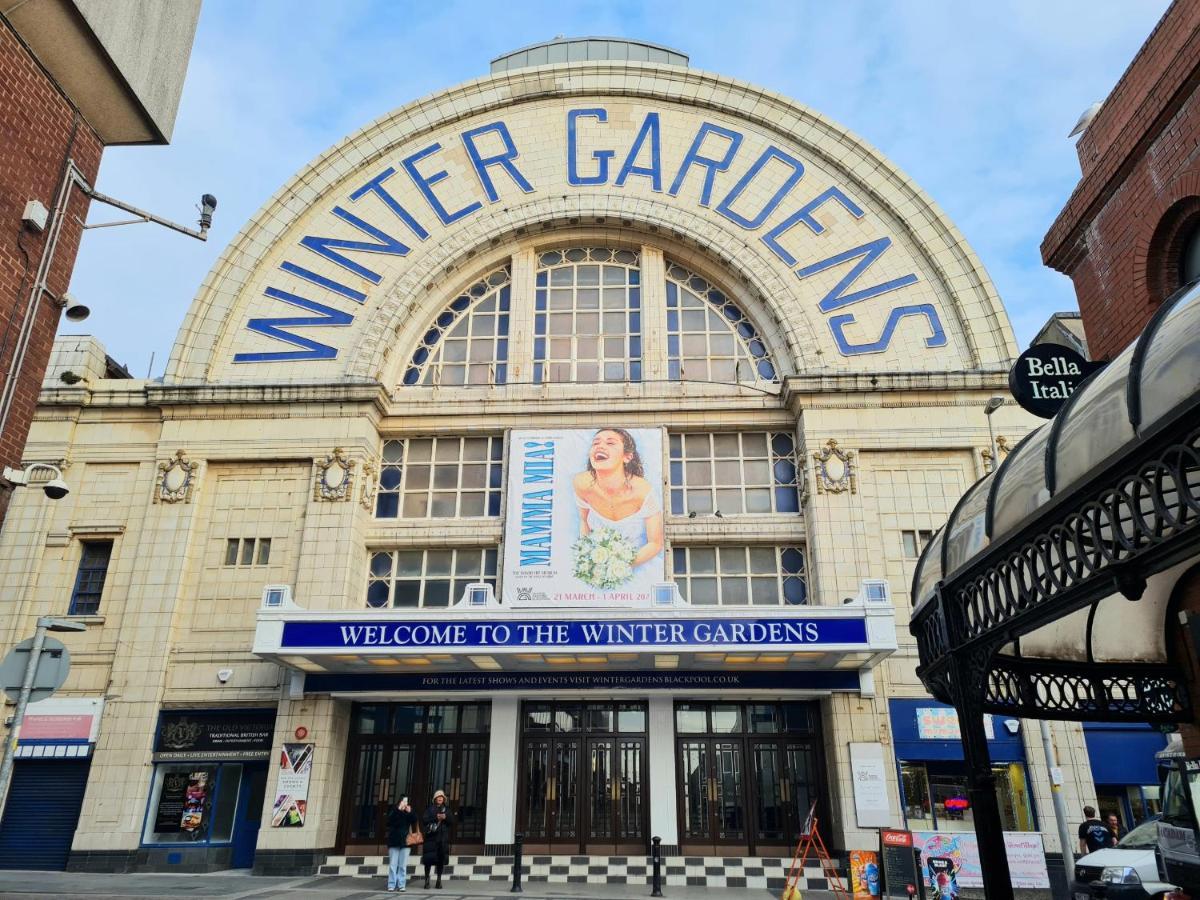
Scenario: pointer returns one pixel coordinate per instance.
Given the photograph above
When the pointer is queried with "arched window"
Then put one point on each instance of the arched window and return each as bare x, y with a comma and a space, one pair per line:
1189, 257
709, 338
467, 344
588, 316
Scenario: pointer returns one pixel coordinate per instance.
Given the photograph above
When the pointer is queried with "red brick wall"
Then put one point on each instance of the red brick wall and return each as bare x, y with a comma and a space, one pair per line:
39, 128
1141, 180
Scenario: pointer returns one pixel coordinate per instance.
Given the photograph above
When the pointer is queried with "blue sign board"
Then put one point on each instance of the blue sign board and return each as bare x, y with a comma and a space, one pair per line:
443, 634
581, 681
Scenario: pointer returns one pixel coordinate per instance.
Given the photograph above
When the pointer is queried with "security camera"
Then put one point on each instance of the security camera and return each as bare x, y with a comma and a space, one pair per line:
56, 488
76, 310
223, 675
208, 203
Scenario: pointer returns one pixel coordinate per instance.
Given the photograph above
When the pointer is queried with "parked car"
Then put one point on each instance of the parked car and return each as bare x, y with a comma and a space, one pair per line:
1124, 872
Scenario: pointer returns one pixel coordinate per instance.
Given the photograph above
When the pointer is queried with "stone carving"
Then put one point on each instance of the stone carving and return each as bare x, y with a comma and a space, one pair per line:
366, 491
1002, 444
835, 469
334, 476
988, 462
176, 478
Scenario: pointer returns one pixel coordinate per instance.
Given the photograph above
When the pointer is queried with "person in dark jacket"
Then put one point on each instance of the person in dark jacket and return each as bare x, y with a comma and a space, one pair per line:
436, 823
400, 822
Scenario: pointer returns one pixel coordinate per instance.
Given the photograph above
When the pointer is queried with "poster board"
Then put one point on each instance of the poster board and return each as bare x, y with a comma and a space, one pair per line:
291, 791
583, 517
872, 800
864, 874
898, 861
1026, 858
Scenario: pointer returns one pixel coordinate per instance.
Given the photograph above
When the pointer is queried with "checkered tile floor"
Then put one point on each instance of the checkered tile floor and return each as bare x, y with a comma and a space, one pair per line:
769, 873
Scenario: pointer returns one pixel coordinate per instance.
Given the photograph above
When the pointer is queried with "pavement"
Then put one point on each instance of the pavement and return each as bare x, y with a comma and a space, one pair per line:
240, 885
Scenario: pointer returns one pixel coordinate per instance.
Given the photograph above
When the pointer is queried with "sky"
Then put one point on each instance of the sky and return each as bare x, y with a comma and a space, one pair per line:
972, 100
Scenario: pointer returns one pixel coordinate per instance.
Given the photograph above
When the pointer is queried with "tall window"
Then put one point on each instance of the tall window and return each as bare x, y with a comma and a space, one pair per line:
467, 344
440, 478
89, 581
751, 472
709, 338
588, 316
427, 578
914, 542
741, 576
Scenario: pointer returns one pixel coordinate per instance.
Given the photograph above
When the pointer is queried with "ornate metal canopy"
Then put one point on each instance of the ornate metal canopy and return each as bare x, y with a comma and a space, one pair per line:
1046, 593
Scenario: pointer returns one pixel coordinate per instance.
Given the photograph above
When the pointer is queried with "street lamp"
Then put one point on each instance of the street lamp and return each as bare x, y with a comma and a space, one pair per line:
44, 624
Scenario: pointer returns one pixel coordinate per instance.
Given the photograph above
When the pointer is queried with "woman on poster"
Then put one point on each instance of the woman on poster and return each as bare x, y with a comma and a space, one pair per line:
612, 494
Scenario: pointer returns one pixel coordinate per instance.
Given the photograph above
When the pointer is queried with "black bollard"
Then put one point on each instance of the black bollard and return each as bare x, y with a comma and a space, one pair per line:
517, 841
656, 866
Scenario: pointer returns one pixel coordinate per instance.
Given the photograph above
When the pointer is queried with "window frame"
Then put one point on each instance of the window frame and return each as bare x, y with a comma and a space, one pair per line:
684, 581
402, 462
247, 552
679, 443
83, 570
489, 554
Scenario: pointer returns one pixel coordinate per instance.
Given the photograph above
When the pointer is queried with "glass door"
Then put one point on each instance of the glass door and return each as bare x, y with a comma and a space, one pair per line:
712, 796
583, 778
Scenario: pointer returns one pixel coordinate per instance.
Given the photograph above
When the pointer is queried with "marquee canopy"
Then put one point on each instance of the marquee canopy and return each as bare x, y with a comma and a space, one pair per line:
1050, 584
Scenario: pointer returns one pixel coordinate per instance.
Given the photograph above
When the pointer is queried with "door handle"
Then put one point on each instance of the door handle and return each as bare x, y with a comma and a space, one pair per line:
712, 790
551, 788
382, 793
616, 790
456, 789
785, 790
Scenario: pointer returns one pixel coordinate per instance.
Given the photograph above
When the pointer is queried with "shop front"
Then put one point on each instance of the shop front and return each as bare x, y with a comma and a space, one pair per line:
934, 784
207, 788
1125, 769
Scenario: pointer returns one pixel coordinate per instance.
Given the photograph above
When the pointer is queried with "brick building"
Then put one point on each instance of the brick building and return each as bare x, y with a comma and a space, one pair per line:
76, 76
1129, 235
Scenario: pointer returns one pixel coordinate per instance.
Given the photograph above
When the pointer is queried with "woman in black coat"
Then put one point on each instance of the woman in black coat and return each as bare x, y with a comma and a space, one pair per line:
436, 823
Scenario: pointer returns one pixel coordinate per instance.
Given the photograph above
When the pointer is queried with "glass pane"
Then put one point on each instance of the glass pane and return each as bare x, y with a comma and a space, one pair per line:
371, 719
420, 450
224, 804
735, 591
733, 560
407, 719
763, 561
770, 809
476, 717
702, 591
438, 562
599, 718
693, 765
631, 719
231, 552
264, 551
914, 785
408, 562
437, 593
247, 551
764, 718
726, 719
702, 560
441, 719
538, 716
690, 719
407, 594
730, 802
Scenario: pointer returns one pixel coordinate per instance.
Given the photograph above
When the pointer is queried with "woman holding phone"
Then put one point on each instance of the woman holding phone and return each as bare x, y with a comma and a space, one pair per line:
400, 822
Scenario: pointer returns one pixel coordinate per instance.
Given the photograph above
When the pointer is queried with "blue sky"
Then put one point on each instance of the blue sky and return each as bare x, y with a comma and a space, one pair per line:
973, 100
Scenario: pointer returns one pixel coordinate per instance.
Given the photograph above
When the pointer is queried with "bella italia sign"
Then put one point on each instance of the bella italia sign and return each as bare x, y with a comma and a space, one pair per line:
1046, 375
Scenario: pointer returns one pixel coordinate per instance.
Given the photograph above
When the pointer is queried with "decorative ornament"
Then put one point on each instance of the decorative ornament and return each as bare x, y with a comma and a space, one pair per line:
1003, 445
334, 476
835, 469
989, 463
369, 483
176, 479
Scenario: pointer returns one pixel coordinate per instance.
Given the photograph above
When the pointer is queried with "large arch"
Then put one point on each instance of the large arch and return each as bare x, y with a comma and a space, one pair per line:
542, 138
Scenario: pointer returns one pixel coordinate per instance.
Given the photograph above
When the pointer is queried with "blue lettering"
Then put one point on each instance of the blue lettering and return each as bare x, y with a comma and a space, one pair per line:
837, 325
804, 214
601, 156
870, 252
273, 328
328, 283
326, 246
504, 160
375, 186
725, 207
709, 164
425, 185
650, 129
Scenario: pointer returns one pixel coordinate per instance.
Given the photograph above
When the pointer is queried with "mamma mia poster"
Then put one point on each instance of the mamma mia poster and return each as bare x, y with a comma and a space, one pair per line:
584, 519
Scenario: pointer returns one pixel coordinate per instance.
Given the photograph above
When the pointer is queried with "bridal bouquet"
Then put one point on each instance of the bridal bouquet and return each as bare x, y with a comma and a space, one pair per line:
604, 558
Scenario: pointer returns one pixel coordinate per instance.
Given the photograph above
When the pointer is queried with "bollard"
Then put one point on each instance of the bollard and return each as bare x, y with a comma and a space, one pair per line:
516, 887
656, 866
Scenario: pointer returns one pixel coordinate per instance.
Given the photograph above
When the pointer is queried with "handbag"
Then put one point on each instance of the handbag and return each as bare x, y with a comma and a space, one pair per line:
414, 839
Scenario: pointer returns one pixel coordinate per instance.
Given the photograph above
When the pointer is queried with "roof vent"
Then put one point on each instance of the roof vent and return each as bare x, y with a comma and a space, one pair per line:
588, 49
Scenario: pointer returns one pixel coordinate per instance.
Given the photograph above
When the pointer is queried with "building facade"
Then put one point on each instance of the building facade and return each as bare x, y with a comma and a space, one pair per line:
565, 441
78, 75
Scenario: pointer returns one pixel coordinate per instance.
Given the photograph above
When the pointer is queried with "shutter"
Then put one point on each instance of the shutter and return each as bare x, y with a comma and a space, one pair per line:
41, 814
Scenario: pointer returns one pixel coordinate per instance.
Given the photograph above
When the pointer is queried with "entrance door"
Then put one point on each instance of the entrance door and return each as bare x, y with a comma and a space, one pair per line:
248, 816
712, 798
748, 774
408, 750
583, 778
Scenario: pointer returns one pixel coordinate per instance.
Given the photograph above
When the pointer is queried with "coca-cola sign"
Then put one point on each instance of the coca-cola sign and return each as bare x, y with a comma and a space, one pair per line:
1046, 375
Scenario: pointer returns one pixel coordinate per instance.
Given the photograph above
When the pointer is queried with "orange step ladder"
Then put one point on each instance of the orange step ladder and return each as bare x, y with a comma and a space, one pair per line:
811, 843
